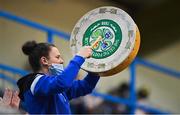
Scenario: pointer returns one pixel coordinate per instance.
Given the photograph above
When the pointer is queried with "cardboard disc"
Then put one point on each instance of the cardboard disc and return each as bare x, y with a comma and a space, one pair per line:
119, 39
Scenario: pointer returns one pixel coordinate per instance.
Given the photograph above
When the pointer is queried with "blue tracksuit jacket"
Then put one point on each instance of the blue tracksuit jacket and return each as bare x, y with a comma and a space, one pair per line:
47, 94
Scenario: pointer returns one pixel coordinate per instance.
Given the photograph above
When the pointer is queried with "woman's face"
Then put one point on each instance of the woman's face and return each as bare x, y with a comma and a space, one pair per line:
55, 57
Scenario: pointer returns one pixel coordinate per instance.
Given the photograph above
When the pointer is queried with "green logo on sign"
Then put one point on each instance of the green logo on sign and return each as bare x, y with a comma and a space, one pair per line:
111, 34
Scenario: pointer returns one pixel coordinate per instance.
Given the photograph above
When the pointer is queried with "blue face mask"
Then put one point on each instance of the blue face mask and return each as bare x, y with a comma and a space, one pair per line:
56, 69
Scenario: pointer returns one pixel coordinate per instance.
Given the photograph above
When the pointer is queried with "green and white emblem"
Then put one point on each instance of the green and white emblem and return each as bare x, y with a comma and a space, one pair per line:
111, 34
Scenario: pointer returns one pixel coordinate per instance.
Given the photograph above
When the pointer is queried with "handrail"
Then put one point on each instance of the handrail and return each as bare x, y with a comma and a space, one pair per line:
13, 70
34, 25
159, 68
133, 98
151, 109
111, 98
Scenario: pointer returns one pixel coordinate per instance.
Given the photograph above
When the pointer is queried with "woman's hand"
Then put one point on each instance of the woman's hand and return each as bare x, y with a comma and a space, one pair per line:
85, 52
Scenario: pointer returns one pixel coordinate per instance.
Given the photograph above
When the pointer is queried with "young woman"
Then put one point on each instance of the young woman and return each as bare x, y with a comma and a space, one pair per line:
50, 87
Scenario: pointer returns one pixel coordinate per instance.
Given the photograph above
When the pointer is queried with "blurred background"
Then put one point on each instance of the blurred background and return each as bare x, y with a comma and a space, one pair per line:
158, 22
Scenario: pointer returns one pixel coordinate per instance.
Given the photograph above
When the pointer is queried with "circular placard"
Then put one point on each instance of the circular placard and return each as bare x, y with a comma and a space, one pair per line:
118, 32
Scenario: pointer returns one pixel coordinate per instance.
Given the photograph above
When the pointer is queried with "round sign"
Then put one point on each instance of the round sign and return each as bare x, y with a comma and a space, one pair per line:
119, 36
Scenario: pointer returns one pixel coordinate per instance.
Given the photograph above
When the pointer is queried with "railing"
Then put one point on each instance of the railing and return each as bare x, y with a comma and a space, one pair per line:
50, 31
159, 68
132, 102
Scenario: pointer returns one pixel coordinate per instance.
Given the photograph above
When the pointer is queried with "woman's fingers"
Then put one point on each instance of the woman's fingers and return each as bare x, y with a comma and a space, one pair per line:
15, 100
7, 96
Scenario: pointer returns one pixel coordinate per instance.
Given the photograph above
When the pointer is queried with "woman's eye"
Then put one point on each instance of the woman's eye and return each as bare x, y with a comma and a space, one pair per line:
58, 57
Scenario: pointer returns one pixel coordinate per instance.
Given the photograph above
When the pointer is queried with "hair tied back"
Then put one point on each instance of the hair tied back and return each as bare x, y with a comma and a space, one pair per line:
28, 47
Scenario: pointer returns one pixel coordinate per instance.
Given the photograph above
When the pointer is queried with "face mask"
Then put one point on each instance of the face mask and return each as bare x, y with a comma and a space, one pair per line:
56, 69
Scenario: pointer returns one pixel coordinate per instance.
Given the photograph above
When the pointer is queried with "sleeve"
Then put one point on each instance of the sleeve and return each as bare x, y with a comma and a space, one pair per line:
83, 87
49, 84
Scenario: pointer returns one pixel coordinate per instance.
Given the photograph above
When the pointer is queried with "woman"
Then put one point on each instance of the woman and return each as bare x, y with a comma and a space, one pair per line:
50, 87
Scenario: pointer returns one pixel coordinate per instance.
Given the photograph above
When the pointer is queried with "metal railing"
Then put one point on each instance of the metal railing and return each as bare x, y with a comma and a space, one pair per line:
49, 31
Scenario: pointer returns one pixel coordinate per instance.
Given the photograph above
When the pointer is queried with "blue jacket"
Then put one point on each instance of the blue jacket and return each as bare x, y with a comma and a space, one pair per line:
48, 94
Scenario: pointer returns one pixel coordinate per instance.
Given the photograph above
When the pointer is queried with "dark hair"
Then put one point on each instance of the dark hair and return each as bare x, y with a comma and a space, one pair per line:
35, 51
142, 93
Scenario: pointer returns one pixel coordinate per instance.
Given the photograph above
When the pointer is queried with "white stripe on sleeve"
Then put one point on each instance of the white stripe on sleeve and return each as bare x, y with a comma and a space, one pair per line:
38, 76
